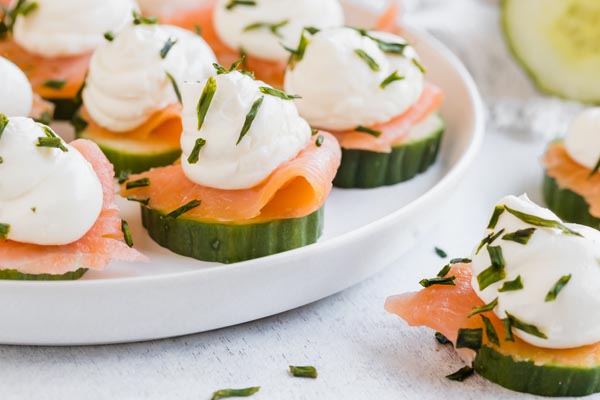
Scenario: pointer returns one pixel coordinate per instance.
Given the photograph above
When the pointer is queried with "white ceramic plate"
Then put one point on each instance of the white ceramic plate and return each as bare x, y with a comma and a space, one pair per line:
173, 295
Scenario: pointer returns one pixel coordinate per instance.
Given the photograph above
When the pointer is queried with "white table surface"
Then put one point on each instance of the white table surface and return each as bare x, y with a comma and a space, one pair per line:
360, 350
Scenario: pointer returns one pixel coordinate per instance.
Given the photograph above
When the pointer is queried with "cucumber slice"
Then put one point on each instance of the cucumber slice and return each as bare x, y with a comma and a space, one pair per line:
567, 204
229, 243
528, 377
368, 169
12, 274
134, 156
556, 41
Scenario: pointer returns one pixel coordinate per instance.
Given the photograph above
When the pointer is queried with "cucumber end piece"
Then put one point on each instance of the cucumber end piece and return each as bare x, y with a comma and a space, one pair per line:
12, 274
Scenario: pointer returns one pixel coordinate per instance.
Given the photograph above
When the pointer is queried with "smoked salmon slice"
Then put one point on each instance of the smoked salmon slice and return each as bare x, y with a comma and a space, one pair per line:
395, 131
446, 308
101, 244
295, 189
573, 176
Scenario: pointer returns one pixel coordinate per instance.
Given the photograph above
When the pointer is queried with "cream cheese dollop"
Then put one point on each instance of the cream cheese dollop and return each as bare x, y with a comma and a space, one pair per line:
127, 80
339, 89
276, 135
572, 319
60, 28
582, 141
16, 96
233, 25
47, 196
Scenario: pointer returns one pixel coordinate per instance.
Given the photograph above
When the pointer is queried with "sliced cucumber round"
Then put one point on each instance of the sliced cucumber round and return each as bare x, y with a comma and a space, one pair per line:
528, 377
368, 169
557, 42
12, 274
229, 243
567, 204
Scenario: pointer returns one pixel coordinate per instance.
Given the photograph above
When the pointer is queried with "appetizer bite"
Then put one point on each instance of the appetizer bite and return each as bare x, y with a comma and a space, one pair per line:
571, 171
131, 99
252, 180
524, 311
368, 89
58, 216
52, 41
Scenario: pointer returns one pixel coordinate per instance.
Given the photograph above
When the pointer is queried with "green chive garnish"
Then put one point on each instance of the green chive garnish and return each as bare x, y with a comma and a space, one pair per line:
461, 374
183, 209
109, 36
558, 286
304, 372
449, 281
250, 118
368, 59
419, 65
138, 183
531, 329
313, 132
444, 271
386, 47
278, 93
126, 233
167, 47
489, 239
141, 201
490, 276
296, 55
596, 168
510, 286
495, 216
225, 393
1, 160
460, 260
508, 330
205, 99
545, 223
441, 253
24, 8
4, 230
469, 338
3, 123
175, 86
274, 28
490, 331
441, 338
139, 20
521, 236
55, 84
123, 176
496, 256
485, 308
390, 79
234, 66
320, 140
234, 3
198, 30
53, 142
368, 131
312, 30
195, 154
45, 118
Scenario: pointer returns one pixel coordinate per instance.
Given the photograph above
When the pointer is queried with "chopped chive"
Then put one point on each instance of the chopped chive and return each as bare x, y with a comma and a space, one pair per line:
123, 176
368, 59
175, 86
460, 260
461, 374
109, 36
278, 93
495, 216
320, 140
52, 142
27, 8
304, 372
225, 393
390, 79
545, 223
490, 276
296, 55
139, 20
441, 338
419, 65
312, 30
3, 123
205, 99
234, 3
143, 182
596, 168
195, 154
469, 338
444, 271
167, 47
183, 209
520, 325
274, 28
141, 201
510, 286
198, 30
496, 256
386, 47
448, 281
4, 230
489, 239
558, 286
490, 331
45, 118
55, 84
313, 132
521, 236
485, 308
441, 253
508, 335
368, 131
126, 233
234, 66
33, 209
250, 118
1, 160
